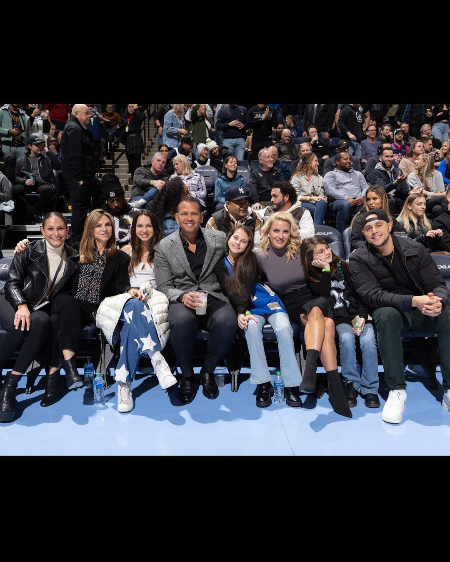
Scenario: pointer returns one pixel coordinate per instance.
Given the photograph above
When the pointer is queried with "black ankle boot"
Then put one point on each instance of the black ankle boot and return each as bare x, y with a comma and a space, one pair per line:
263, 396
31, 379
292, 395
336, 394
51, 389
8, 397
73, 379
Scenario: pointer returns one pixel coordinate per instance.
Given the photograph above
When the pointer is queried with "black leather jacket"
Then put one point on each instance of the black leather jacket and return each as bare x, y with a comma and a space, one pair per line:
28, 275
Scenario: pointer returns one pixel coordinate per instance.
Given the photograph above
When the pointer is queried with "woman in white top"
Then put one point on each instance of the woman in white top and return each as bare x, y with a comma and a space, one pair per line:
308, 184
427, 177
138, 334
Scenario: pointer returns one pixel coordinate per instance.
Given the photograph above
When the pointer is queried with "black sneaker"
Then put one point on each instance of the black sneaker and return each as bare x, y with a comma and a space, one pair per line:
351, 394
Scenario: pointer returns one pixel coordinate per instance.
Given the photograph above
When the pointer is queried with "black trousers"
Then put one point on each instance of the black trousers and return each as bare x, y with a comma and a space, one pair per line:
219, 320
83, 198
257, 145
44, 203
134, 162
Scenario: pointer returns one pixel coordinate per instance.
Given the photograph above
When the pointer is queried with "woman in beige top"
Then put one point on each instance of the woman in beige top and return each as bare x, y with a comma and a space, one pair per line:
408, 163
308, 184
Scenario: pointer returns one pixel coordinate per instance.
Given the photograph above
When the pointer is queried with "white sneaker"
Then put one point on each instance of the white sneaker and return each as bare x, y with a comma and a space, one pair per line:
446, 400
394, 407
125, 401
162, 371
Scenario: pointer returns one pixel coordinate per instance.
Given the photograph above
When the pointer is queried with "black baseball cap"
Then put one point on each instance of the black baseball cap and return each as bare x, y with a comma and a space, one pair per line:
236, 192
381, 215
35, 139
342, 144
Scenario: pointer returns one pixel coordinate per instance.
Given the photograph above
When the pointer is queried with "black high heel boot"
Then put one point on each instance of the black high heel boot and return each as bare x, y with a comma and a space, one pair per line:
31, 379
264, 394
51, 394
8, 397
73, 379
336, 394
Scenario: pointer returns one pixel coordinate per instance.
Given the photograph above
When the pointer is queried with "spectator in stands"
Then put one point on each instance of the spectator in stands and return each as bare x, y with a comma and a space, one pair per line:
428, 146
321, 115
226, 179
215, 156
375, 198
345, 189
78, 168
43, 271
236, 212
386, 134
280, 265
303, 149
442, 222
287, 150
444, 166
262, 178
284, 198
414, 115
369, 144
308, 184
408, 163
394, 181
202, 156
34, 173
194, 180
276, 133
159, 119
353, 120
426, 177
416, 224
282, 165
36, 119
261, 119
169, 164
231, 121
342, 146
440, 117
400, 283
181, 271
291, 124
111, 121
174, 125
373, 160
398, 146
7, 163
149, 179
58, 114
407, 138
15, 128
139, 324
328, 276
237, 274
132, 119
122, 212
185, 148
165, 204
202, 128
321, 149
378, 112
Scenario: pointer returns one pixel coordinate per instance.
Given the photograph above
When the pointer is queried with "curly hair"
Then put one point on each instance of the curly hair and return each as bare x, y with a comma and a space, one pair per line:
294, 243
167, 200
305, 164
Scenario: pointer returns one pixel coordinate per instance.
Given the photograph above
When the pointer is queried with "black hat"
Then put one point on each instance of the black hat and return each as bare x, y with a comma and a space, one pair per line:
382, 215
236, 192
111, 186
342, 144
34, 139
187, 139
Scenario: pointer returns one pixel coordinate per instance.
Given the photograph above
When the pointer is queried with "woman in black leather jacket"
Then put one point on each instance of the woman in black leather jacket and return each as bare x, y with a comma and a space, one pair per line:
36, 276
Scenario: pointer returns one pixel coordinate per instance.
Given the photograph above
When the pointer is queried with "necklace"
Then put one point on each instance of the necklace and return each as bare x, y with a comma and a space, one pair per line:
230, 259
392, 256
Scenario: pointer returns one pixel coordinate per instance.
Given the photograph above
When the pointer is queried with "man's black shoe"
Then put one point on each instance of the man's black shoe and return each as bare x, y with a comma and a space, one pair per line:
371, 400
351, 394
292, 395
186, 390
264, 394
210, 388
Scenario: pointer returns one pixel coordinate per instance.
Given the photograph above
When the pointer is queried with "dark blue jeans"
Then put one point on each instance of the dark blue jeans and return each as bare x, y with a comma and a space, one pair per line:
344, 211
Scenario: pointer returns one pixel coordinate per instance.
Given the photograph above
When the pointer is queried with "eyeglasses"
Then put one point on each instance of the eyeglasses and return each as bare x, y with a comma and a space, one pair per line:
322, 251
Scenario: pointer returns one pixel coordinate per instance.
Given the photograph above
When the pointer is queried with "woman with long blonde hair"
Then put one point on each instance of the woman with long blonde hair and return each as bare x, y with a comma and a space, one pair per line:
280, 265
194, 181
416, 224
426, 177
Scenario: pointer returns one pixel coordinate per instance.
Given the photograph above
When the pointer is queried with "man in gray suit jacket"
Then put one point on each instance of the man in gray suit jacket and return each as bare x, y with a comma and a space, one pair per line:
184, 264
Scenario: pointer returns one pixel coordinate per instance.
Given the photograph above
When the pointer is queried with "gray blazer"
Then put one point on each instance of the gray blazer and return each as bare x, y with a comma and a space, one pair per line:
173, 274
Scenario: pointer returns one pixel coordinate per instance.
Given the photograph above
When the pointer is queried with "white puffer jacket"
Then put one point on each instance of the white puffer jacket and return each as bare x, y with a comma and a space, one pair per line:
110, 309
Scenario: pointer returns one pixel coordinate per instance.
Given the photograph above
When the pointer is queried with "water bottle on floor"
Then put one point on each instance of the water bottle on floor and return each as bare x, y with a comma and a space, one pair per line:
278, 386
88, 373
99, 390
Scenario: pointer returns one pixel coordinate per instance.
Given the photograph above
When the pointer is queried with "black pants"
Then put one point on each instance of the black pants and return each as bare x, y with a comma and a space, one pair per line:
257, 145
69, 317
31, 340
219, 320
436, 205
134, 162
84, 198
44, 203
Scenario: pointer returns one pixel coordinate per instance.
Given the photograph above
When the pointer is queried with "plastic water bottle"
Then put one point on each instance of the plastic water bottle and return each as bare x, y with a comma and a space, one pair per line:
278, 385
99, 390
88, 373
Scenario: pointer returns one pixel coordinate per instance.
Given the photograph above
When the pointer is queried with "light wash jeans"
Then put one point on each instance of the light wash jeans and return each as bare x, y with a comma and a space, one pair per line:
367, 382
237, 146
138, 337
318, 210
440, 131
290, 371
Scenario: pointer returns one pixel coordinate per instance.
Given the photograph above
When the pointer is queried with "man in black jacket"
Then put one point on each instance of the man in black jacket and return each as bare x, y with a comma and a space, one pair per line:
79, 158
401, 285
321, 115
261, 180
353, 121
261, 119
231, 120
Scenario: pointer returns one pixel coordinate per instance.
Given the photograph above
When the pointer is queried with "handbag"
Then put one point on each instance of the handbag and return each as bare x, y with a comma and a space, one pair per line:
265, 301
